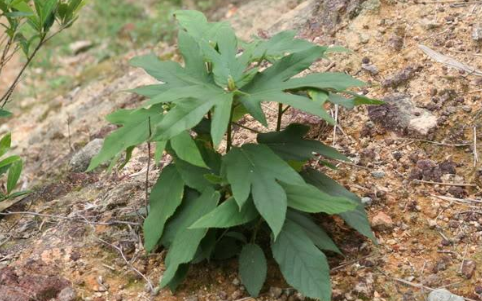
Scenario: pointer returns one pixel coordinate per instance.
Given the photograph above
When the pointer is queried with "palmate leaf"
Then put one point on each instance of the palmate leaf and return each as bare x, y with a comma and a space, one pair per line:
186, 241
279, 45
191, 88
271, 84
165, 197
227, 215
196, 24
255, 169
290, 145
252, 268
134, 131
302, 264
356, 218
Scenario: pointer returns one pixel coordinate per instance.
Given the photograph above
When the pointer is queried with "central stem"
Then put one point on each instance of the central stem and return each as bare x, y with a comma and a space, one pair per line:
230, 131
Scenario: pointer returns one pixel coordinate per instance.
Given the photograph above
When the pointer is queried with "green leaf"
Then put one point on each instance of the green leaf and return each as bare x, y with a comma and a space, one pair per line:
9, 161
252, 268
5, 144
135, 130
179, 277
227, 215
183, 116
255, 169
356, 218
186, 241
165, 198
221, 119
176, 222
290, 145
186, 149
193, 176
270, 84
196, 24
14, 175
160, 146
4, 113
279, 45
308, 198
302, 264
315, 232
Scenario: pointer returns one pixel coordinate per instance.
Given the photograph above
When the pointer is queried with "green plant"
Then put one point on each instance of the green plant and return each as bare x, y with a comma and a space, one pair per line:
13, 166
211, 204
29, 27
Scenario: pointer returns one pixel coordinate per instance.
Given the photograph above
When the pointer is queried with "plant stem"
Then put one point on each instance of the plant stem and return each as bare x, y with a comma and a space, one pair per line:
256, 229
9, 92
246, 128
280, 115
148, 167
230, 131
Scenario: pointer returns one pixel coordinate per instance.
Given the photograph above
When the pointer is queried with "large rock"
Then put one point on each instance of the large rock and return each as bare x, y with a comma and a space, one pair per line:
399, 114
81, 160
443, 295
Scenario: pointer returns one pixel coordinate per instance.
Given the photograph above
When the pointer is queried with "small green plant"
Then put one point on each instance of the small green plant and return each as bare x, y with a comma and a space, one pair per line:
13, 166
29, 27
213, 204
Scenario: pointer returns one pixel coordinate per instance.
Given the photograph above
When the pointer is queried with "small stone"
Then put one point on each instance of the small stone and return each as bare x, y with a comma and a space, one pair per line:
468, 268
443, 295
236, 295
382, 221
118, 298
372, 69
366, 201
222, 295
477, 33
275, 292
236, 282
299, 296
81, 160
432, 224
378, 174
67, 294
191, 298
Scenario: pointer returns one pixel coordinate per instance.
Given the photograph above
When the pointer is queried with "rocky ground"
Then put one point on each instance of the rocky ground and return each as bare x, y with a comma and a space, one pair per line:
415, 164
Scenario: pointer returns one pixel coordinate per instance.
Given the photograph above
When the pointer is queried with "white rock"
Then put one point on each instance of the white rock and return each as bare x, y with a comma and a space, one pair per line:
443, 295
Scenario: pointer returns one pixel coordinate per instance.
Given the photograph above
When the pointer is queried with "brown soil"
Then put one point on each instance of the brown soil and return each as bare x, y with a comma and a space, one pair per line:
430, 236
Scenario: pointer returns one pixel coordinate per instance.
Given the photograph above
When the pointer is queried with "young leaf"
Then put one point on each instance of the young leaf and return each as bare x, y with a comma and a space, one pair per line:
227, 215
186, 149
252, 268
165, 197
303, 265
308, 198
255, 169
186, 241
279, 45
14, 175
290, 145
5, 144
271, 84
7, 162
356, 218
315, 232
196, 24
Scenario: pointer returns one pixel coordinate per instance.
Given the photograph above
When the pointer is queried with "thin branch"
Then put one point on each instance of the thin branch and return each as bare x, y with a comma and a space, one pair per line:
443, 184
77, 219
151, 287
